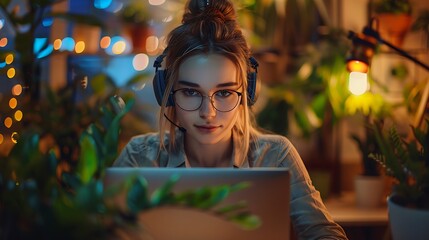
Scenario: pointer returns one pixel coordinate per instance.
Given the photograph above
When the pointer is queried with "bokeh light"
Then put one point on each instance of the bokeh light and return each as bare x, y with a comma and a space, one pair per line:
9, 58
18, 115
8, 122
1, 138
67, 44
47, 22
105, 42
119, 47
152, 43
57, 44
13, 103
3, 42
102, 4
140, 62
156, 2
80, 47
14, 137
17, 90
11, 73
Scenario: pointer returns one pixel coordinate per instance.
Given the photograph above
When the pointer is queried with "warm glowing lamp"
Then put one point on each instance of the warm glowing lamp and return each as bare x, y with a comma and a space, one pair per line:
360, 56
358, 83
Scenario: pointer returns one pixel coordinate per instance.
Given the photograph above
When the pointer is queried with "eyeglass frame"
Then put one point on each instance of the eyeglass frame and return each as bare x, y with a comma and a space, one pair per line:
209, 97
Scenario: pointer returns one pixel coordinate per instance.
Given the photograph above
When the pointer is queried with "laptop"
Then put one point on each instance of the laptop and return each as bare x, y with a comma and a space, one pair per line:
266, 196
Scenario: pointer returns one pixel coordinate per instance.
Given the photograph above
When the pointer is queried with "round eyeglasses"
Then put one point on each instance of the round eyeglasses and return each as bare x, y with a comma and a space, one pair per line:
190, 99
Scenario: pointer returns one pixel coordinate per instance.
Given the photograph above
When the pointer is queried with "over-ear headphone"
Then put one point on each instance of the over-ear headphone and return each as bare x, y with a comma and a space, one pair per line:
160, 82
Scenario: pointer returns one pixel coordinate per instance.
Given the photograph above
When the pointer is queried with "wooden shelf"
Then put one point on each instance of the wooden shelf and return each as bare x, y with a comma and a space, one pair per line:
346, 213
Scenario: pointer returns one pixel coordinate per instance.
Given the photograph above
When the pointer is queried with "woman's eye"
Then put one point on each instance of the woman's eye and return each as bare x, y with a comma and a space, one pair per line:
223, 93
190, 92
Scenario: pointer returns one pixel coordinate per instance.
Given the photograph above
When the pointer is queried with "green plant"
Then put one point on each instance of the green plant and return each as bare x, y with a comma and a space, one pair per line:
407, 162
366, 146
135, 12
392, 6
38, 197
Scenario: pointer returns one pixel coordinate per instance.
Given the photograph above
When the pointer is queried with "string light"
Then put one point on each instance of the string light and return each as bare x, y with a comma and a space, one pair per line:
18, 115
14, 137
3, 42
13, 103
57, 44
17, 90
79, 47
8, 122
11, 73
9, 59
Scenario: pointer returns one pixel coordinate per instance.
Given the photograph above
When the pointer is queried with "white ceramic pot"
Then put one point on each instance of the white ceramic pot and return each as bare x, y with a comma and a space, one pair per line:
407, 223
369, 191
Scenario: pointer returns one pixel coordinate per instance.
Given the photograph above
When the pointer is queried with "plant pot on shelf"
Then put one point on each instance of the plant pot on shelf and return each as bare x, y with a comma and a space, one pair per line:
394, 27
369, 191
407, 223
138, 33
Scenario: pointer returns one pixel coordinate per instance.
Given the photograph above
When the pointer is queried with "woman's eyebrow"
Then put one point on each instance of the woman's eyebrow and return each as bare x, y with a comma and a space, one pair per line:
228, 84
191, 84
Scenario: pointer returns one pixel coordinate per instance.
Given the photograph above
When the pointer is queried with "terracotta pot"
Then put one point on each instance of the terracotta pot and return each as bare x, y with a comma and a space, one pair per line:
394, 27
138, 35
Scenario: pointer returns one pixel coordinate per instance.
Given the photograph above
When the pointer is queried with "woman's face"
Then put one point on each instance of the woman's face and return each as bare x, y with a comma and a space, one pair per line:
207, 75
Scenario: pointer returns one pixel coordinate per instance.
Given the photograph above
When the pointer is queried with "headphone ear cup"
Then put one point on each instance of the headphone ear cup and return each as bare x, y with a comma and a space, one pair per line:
159, 86
252, 88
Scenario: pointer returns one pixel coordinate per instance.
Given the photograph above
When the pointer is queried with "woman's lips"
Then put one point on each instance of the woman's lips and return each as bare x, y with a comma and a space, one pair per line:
206, 128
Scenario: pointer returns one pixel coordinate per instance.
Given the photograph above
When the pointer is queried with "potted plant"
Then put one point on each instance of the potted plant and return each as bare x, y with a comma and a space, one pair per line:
406, 161
369, 185
394, 18
135, 17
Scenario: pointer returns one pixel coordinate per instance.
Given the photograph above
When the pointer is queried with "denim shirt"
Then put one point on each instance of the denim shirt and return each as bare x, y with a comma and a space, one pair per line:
309, 215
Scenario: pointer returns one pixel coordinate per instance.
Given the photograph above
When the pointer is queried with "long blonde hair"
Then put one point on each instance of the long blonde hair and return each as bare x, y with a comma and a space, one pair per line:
208, 27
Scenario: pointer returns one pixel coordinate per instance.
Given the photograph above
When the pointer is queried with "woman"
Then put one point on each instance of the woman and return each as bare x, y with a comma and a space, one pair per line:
209, 81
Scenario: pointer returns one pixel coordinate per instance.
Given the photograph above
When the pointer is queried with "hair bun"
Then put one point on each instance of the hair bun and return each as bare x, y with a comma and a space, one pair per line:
210, 19
208, 10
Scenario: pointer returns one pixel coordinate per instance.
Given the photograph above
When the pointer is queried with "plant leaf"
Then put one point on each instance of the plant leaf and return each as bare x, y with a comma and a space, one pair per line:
137, 195
87, 165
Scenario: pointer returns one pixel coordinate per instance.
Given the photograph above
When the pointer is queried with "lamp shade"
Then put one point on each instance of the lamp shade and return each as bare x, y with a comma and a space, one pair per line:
361, 53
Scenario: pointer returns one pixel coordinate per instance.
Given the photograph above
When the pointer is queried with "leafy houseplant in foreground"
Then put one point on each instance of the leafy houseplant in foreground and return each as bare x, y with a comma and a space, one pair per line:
407, 162
36, 199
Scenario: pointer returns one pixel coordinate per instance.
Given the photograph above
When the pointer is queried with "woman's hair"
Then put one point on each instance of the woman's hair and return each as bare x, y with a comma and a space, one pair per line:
208, 27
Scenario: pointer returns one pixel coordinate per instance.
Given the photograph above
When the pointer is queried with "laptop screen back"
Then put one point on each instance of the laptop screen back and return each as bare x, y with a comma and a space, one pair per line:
267, 197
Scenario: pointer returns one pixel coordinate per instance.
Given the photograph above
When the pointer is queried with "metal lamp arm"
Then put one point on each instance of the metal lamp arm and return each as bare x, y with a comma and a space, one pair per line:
372, 33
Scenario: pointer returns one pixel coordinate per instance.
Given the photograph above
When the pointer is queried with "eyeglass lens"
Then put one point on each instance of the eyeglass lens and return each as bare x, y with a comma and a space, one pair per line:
191, 99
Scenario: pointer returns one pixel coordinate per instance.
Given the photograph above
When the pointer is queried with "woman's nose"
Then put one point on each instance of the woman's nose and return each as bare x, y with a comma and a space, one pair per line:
207, 109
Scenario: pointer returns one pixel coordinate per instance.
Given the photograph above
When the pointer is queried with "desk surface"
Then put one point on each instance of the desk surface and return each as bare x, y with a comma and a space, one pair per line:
346, 213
